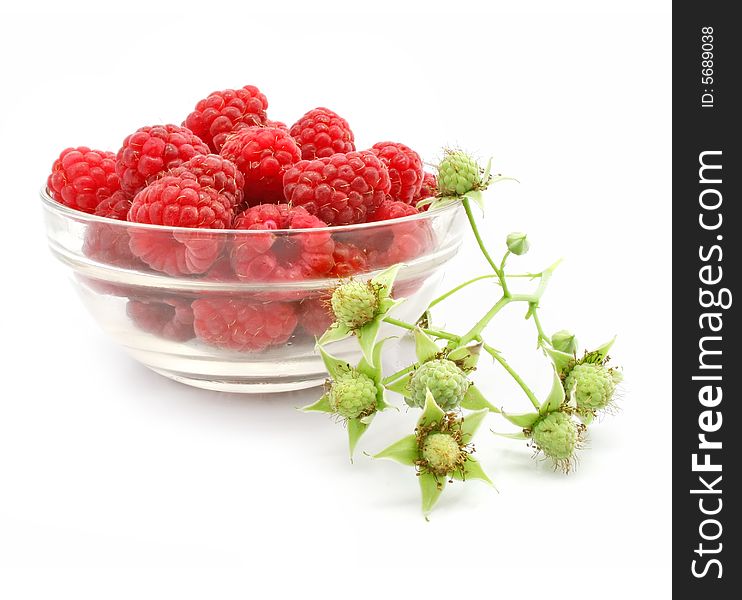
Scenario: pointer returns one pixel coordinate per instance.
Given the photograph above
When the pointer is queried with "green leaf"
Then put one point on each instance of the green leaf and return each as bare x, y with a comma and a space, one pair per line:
470, 423
474, 400
404, 451
425, 348
322, 405
518, 435
431, 489
401, 385
356, 428
432, 412
560, 359
555, 398
335, 332
335, 367
386, 280
466, 357
524, 420
472, 470
367, 339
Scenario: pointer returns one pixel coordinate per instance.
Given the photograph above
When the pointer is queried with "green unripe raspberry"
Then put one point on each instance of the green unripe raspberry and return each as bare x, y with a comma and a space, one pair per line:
443, 378
355, 303
556, 435
564, 341
353, 395
593, 385
458, 174
441, 453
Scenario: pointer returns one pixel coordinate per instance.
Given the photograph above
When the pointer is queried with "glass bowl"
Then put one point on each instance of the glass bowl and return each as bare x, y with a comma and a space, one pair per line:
234, 310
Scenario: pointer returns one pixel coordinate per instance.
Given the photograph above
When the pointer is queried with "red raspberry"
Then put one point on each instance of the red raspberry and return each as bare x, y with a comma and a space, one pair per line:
179, 201
405, 169
216, 172
263, 155
167, 317
321, 133
428, 189
315, 315
392, 209
340, 189
216, 116
278, 124
149, 151
400, 241
241, 325
109, 244
284, 256
116, 206
82, 178
349, 260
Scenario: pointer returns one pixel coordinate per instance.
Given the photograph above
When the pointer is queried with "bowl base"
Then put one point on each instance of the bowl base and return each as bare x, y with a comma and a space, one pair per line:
242, 385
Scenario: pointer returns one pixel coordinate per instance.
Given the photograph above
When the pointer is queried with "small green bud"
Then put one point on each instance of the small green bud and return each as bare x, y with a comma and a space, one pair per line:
564, 341
593, 385
459, 173
353, 395
442, 454
355, 303
518, 243
445, 380
556, 435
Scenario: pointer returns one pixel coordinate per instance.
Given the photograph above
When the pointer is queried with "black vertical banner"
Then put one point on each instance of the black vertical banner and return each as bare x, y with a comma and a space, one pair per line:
707, 266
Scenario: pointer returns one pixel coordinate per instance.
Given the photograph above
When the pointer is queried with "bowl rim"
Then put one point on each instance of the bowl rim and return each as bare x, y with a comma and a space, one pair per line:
65, 211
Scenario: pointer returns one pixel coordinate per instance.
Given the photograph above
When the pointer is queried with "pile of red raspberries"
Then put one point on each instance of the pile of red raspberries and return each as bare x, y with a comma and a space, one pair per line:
228, 166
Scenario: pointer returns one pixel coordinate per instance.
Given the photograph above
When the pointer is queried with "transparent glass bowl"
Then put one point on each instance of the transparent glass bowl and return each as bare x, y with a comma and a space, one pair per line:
234, 310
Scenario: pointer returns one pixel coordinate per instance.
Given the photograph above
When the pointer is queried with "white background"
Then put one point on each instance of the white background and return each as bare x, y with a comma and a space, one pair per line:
117, 483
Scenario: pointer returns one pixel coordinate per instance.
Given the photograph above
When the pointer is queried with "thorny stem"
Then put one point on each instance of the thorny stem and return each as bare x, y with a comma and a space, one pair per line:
496, 355
441, 298
432, 332
472, 222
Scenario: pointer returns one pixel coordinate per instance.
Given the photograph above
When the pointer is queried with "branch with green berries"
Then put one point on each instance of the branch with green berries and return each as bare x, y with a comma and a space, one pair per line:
440, 383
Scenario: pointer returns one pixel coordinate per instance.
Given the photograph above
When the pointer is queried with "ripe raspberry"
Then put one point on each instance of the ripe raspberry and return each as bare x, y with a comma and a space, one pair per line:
116, 206
349, 260
405, 169
321, 133
82, 178
216, 116
179, 201
168, 317
149, 151
278, 124
263, 155
397, 242
443, 378
281, 257
393, 209
340, 189
242, 325
315, 316
216, 172
109, 244
428, 189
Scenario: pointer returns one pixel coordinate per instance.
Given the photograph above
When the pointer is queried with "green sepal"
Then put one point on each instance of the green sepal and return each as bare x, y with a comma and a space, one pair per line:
367, 339
602, 351
476, 197
437, 202
356, 428
470, 423
431, 488
334, 333
487, 171
555, 399
401, 385
466, 357
404, 451
524, 420
432, 413
373, 369
586, 418
472, 470
474, 400
335, 367
518, 435
322, 405
561, 360
386, 280
425, 348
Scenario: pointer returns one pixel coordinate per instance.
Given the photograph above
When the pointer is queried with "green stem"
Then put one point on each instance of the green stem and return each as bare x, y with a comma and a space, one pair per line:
496, 355
472, 222
397, 375
537, 322
474, 332
432, 332
440, 299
